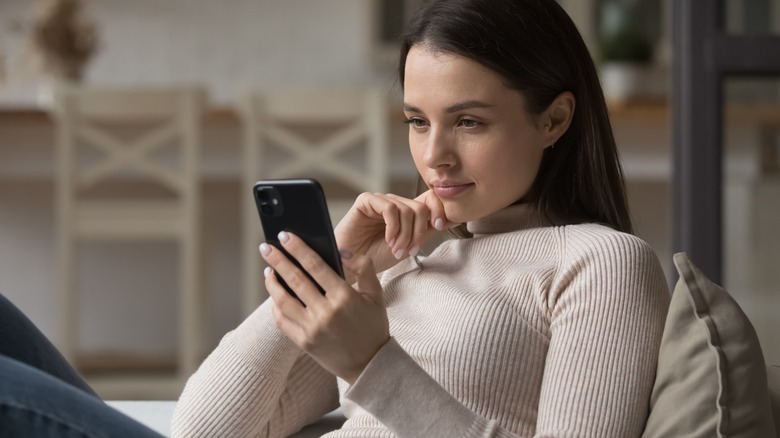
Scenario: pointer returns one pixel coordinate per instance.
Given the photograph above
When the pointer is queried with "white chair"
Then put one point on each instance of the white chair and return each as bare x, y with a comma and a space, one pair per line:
339, 136
95, 151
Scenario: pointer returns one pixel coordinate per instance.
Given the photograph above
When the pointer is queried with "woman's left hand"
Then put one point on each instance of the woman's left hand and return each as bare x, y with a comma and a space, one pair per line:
343, 329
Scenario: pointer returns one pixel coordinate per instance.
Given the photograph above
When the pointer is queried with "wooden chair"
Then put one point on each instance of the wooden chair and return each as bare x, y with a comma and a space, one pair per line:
131, 136
339, 136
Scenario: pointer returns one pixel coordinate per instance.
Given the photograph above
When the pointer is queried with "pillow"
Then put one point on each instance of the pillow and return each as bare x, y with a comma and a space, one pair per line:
711, 379
773, 375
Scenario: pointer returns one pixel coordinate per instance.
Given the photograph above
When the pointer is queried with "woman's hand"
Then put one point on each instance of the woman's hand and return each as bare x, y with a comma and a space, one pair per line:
343, 329
388, 227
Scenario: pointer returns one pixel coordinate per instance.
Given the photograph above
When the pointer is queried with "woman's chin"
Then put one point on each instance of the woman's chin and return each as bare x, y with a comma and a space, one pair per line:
457, 215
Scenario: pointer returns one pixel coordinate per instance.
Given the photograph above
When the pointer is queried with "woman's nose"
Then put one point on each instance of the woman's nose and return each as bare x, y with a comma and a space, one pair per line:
439, 150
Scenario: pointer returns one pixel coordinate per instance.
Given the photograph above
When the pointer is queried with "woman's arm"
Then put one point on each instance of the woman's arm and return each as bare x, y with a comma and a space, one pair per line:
255, 383
607, 309
399, 393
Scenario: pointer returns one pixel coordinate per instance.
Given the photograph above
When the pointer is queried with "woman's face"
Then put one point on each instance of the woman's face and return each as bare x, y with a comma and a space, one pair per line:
472, 140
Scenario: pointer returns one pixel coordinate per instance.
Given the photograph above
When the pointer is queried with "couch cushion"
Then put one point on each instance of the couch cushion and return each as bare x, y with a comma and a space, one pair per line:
773, 375
711, 378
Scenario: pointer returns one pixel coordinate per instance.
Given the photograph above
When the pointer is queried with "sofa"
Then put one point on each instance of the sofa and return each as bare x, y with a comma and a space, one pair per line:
711, 377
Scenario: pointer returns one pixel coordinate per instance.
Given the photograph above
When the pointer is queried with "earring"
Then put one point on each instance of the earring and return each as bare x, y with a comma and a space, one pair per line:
547, 128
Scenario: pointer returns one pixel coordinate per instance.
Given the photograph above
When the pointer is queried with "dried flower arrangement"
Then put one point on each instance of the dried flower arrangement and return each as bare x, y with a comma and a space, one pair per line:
62, 40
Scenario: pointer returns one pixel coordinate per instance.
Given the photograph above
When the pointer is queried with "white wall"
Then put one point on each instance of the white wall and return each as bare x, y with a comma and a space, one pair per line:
227, 45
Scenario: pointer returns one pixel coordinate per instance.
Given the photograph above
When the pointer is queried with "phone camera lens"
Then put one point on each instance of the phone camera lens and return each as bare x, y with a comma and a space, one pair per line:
266, 209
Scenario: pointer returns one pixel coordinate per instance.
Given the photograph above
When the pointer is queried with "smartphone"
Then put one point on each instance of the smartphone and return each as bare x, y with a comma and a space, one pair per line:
297, 206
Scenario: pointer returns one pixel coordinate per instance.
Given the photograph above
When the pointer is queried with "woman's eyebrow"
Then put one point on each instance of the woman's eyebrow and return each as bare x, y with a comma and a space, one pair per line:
469, 104
411, 109
453, 108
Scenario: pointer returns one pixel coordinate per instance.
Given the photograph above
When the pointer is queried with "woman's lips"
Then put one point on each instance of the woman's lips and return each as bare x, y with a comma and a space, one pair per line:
451, 190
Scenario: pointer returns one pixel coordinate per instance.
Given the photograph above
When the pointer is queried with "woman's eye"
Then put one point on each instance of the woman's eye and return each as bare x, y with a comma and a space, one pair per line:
469, 123
415, 122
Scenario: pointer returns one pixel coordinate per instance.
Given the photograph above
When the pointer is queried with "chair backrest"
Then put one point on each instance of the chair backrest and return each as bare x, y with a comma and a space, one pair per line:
110, 134
337, 135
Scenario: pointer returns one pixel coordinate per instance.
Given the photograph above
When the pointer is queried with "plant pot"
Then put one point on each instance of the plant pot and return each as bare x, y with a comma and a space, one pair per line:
47, 87
623, 81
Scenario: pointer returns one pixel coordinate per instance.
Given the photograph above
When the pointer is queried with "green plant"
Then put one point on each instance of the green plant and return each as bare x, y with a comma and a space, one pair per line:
626, 45
622, 36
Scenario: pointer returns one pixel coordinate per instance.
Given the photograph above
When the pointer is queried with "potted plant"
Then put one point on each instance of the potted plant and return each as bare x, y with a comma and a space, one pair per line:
626, 52
62, 39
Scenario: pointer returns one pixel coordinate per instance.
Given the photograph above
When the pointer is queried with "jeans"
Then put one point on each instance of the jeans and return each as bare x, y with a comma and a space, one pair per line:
41, 395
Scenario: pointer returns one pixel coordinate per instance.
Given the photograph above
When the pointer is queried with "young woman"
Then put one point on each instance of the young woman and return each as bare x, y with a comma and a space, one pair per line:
542, 317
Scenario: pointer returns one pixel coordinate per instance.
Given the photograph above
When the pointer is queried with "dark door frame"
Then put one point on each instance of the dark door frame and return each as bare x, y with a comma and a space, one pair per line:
704, 55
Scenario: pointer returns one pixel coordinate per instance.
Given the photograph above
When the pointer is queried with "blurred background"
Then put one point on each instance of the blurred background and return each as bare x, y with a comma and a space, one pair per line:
128, 315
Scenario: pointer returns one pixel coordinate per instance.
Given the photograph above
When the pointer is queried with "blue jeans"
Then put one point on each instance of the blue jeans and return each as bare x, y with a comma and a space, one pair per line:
41, 395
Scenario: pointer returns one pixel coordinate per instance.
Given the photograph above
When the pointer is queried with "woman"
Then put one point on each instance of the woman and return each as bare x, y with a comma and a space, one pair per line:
542, 318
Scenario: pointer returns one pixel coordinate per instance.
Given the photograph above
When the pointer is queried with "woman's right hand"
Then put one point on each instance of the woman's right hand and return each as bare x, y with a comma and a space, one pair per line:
388, 227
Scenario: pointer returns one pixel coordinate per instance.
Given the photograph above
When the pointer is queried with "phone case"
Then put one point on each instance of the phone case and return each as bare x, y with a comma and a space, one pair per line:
297, 206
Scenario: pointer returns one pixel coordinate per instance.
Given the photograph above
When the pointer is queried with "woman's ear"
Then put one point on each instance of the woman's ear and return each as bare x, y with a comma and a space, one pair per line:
557, 117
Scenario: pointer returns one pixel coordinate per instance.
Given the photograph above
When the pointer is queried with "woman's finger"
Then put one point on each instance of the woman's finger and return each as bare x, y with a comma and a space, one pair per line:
293, 276
312, 263
400, 242
420, 226
285, 303
391, 212
438, 219
285, 323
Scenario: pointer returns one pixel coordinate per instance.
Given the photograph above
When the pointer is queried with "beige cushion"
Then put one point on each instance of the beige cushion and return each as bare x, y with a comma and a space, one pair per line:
773, 375
711, 379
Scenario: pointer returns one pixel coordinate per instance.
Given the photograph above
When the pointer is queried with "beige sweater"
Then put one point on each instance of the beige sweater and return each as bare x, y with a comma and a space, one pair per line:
524, 330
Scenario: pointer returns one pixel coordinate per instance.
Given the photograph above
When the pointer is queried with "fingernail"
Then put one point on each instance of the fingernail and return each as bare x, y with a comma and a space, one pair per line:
345, 254
398, 254
283, 236
414, 250
391, 243
267, 271
265, 249
438, 224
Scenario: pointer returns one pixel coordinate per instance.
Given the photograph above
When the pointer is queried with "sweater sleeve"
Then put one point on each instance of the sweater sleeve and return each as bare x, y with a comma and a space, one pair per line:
408, 401
607, 307
255, 383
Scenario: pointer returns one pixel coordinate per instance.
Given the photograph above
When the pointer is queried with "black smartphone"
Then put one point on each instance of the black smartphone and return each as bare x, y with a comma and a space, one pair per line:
297, 206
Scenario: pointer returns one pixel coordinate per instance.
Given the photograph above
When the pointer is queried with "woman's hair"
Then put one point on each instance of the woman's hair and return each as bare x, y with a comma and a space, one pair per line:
536, 48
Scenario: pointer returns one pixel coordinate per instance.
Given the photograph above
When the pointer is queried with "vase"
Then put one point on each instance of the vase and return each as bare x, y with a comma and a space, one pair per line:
48, 86
624, 81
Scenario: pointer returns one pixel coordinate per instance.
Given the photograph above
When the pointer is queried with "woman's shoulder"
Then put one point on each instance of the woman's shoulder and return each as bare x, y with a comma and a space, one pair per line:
610, 259
591, 240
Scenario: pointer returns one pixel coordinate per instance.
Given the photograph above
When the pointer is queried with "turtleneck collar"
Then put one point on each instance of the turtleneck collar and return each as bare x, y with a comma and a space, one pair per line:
516, 217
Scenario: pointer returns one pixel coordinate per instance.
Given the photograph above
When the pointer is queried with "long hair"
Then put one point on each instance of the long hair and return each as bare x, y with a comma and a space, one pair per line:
536, 48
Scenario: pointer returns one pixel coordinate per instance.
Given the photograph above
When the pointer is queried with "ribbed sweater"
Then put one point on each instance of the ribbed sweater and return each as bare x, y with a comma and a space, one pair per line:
526, 329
